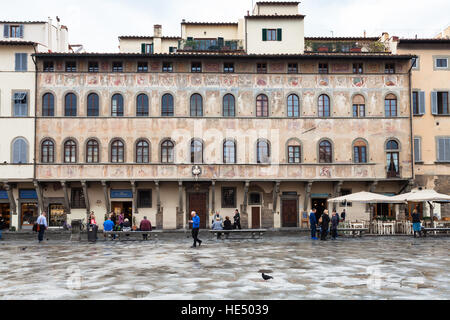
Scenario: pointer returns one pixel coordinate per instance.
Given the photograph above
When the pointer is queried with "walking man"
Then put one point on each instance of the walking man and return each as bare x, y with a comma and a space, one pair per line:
237, 220
313, 224
343, 216
42, 225
195, 229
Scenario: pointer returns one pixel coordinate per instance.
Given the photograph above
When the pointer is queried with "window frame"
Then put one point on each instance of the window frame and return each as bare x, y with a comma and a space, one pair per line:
196, 105
260, 149
117, 105
167, 67
71, 107
117, 151
292, 104
117, 66
142, 153
261, 67
48, 104
294, 152
324, 109
19, 106
71, 156
226, 149
229, 106
77, 198
142, 106
165, 104
70, 66
196, 67
92, 151
323, 68
142, 66
93, 105
262, 106
325, 152
47, 151
167, 151
140, 203
93, 67
228, 67
194, 147
226, 203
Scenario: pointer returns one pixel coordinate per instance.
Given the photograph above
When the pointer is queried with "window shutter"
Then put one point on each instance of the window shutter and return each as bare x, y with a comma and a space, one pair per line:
417, 151
18, 57
279, 34
434, 107
24, 62
422, 102
264, 34
6, 30
143, 48
23, 152
16, 152
21, 31
441, 149
151, 48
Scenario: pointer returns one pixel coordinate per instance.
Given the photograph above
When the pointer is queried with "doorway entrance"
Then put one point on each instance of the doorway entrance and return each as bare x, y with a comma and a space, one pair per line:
6, 214
29, 215
197, 203
56, 215
320, 204
289, 213
125, 207
256, 217
383, 210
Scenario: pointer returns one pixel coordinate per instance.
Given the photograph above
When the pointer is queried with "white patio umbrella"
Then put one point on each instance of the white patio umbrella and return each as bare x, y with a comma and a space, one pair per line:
420, 196
364, 197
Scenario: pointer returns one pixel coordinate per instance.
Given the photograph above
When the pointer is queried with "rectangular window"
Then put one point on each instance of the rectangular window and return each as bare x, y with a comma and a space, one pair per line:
271, 35
415, 63
254, 199
167, 67
442, 63
323, 67
442, 103
345, 192
292, 68
359, 110
93, 66
142, 67
15, 31
147, 48
21, 62
294, 154
443, 149
71, 66
389, 68
117, 66
48, 66
358, 68
415, 102
77, 199
196, 67
417, 150
20, 104
144, 199
261, 67
228, 67
228, 197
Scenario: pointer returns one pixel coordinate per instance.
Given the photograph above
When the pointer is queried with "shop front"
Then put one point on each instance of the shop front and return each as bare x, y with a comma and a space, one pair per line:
122, 202
5, 211
29, 209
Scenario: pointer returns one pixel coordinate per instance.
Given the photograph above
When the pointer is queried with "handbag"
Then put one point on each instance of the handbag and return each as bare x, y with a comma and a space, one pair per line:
35, 227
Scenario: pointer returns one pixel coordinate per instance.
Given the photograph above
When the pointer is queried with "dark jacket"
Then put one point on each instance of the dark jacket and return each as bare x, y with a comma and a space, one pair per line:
312, 219
127, 224
2, 223
145, 225
334, 222
227, 225
343, 215
415, 217
325, 221
237, 217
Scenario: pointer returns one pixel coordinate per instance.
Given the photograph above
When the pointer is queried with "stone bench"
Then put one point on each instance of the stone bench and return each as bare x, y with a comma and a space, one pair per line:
425, 230
255, 233
354, 231
129, 234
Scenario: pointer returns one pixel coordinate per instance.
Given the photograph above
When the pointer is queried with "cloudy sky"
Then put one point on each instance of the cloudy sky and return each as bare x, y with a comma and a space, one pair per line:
97, 23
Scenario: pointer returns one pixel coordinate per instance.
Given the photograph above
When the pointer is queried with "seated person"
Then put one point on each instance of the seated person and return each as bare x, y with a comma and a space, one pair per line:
108, 225
217, 225
227, 225
127, 225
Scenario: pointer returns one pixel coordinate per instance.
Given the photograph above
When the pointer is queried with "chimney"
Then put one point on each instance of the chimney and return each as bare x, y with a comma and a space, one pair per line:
364, 33
157, 31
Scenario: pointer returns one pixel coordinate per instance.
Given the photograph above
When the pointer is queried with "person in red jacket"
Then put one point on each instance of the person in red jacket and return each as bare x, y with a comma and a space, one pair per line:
145, 226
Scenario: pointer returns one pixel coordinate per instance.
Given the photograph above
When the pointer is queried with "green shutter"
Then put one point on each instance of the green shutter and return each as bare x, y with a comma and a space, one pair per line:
422, 102
279, 34
143, 48
434, 102
264, 34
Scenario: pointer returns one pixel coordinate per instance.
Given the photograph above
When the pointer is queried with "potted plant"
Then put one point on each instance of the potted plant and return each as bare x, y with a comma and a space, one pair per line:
12, 229
134, 228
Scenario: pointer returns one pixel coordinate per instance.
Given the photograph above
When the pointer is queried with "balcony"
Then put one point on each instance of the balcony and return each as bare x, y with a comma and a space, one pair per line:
218, 44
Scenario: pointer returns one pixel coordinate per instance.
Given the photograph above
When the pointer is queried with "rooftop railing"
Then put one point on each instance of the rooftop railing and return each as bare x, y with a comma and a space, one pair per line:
218, 44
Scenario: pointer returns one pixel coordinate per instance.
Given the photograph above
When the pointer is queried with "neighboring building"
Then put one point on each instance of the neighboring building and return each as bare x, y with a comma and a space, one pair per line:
18, 42
431, 112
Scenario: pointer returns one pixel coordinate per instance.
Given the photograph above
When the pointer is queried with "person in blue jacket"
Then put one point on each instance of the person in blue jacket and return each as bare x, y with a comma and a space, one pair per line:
108, 225
195, 229
313, 224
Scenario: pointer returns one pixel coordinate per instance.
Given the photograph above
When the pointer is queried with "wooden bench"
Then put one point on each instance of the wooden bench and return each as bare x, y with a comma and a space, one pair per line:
255, 233
425, 230
128, 234
354, 231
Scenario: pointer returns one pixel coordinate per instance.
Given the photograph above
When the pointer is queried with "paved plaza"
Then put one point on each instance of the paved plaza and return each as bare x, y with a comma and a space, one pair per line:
366, 268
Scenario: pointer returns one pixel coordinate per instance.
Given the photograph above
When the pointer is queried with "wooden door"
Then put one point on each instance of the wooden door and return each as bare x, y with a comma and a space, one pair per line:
197, 203
289, 212
256, 217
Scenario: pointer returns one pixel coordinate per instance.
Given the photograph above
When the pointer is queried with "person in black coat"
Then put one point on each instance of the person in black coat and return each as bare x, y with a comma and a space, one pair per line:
324, 225
227, 225
334, 224
237, 220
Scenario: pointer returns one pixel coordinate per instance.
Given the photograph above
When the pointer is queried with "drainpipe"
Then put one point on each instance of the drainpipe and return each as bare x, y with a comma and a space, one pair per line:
35, 110
411, 120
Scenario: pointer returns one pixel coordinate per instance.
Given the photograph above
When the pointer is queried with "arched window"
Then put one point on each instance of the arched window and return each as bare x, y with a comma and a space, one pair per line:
325, 152
142, 152
70, 151
359, 106
196, 151
117, 152
229, 152
48, 105
196, 105
293, 104
262, 151
93, 105
360, 152
92, 151
142, 106
117, 105
392, 158
167, 151
20, 151
70, 105
390, 105
47, 151
324, 106
229, 106
167, 109
294, 151
262, 106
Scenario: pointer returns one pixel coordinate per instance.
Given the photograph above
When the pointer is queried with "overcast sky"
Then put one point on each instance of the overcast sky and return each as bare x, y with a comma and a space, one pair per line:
97, 23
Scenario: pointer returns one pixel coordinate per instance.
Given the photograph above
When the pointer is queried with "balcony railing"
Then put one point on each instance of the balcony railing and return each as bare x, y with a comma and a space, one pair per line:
218, 44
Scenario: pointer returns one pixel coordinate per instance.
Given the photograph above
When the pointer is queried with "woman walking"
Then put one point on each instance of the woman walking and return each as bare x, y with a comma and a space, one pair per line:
417, 225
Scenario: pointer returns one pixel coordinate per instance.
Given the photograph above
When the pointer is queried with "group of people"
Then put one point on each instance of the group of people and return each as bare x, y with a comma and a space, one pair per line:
219, 224
121, 223
322, 221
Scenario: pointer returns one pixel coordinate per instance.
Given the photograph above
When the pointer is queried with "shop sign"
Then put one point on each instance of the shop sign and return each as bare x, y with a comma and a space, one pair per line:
121, 194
